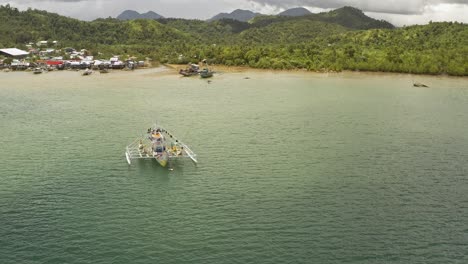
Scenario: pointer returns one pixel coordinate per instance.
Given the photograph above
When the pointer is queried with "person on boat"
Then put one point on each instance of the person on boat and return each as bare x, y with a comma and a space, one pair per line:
159, 149
144, 151
140, 146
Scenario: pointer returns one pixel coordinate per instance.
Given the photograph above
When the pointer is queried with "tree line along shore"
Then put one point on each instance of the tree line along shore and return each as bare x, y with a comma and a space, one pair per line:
343, 39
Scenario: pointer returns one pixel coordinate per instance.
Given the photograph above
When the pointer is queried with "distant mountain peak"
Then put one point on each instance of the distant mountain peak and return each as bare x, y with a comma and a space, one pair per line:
131, 14
241, 11
352, 17
350, 8
297, 11
128, 14
238, 14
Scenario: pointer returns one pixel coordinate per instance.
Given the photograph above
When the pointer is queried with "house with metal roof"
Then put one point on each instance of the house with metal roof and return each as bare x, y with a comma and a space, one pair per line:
14, 53
42, 43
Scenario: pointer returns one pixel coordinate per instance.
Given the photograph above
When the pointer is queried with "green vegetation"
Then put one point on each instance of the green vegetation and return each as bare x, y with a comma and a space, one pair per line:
343, 39
348, 17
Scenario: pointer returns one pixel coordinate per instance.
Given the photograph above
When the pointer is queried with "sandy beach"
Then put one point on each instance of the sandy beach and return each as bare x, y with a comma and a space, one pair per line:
232, 69
174, 69
221, 72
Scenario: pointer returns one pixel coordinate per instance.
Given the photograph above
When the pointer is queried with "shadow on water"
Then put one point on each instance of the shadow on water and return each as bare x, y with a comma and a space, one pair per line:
150, 168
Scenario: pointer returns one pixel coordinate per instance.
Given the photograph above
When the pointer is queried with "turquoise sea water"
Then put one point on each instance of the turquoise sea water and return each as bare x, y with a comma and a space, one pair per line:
293, 168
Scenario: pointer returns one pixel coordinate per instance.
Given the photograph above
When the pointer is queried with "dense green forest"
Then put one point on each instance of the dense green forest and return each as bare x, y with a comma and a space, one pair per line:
343, 39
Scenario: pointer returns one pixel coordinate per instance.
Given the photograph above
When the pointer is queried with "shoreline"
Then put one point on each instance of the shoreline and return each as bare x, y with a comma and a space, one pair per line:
173, 70
242, 69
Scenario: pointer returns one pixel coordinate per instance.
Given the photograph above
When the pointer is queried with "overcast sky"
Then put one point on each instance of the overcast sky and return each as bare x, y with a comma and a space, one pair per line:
398, 12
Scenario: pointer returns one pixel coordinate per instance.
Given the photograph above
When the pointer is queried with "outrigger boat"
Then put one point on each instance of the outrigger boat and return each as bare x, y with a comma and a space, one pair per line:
191, 70
158, 144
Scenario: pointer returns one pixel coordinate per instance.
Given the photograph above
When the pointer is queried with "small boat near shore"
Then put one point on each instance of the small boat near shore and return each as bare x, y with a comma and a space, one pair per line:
418, 84
206, 73
37, 71
87, 72
159, 144
191, 70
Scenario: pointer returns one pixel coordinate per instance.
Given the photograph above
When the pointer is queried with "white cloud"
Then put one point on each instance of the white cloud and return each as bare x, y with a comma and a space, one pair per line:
392, 6
435, 13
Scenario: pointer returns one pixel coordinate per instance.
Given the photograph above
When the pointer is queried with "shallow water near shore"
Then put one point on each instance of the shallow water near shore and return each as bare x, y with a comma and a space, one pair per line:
293, 168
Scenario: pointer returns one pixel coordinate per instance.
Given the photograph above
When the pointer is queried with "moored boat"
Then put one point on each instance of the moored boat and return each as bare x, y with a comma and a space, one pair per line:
87, 72
418, 84
37, 71
191, 70
158, 144
206, 73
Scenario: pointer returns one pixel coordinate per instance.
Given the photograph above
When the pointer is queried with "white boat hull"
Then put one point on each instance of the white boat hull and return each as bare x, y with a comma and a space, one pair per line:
162, 158
127, 156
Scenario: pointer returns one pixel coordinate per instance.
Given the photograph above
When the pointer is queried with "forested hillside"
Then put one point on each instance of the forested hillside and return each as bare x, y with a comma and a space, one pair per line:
349, 17
337, 40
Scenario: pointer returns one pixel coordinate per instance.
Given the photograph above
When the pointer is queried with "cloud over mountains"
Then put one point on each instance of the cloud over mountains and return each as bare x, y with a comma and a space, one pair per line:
391, 7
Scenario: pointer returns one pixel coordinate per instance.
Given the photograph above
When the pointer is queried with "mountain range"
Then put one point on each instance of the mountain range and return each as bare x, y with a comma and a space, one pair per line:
246, 15
287, 28
238, 14
349, 17
131, 14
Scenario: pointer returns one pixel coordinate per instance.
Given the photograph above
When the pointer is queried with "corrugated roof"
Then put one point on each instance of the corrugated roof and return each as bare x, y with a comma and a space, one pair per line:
14, 52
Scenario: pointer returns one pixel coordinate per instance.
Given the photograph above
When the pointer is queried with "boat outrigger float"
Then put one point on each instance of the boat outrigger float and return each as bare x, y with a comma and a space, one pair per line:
158, 144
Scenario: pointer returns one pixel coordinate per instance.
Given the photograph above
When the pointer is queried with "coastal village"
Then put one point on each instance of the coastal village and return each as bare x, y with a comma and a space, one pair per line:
44, 57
